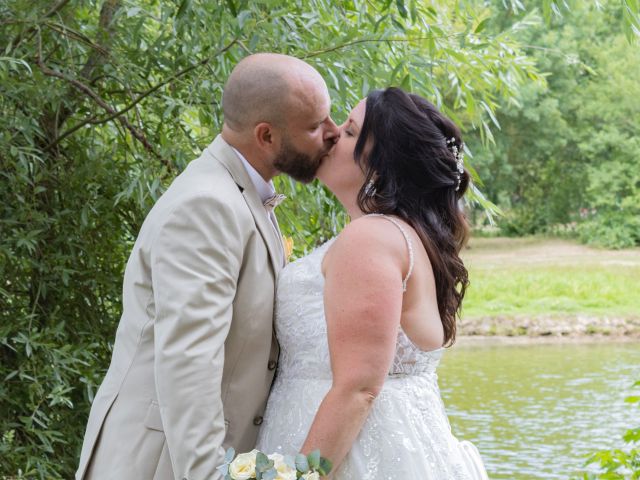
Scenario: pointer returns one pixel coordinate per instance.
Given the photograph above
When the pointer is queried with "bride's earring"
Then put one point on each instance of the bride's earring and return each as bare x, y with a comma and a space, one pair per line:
370, 189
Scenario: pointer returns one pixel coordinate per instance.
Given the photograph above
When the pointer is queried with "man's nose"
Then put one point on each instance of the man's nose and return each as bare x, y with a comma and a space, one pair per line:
332, 132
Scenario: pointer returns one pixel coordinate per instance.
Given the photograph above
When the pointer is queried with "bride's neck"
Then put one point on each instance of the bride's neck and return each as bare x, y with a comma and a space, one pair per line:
355, 214
350, 204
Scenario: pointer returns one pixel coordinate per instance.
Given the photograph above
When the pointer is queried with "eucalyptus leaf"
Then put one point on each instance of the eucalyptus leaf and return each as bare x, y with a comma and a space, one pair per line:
290, 461
270, 474
262, 462
302, 464
325, 466
229, 455
314, 460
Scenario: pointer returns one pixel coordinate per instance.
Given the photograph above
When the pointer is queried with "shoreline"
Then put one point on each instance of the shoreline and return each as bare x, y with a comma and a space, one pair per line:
497, 340
549, 329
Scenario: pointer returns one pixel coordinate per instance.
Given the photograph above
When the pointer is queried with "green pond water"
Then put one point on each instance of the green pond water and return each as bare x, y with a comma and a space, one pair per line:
535, 411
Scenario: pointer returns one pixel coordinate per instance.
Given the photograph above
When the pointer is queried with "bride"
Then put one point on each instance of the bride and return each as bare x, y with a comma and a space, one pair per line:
362, 320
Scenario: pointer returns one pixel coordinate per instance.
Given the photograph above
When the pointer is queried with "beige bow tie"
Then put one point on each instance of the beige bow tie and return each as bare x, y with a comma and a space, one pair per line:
273, 201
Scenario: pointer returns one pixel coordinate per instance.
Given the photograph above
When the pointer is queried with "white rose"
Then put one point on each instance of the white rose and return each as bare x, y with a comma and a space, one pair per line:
285, 472
311, 476
244, 466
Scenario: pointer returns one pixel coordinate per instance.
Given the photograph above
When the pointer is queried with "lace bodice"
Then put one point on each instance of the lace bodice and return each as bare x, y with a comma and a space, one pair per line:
302, 329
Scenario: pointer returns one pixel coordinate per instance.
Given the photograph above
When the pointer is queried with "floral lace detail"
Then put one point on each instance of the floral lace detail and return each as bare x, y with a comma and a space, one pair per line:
407, 434
410, 360
304, 348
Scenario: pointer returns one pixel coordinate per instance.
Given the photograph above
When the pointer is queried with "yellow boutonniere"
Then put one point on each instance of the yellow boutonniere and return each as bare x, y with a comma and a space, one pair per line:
287, 243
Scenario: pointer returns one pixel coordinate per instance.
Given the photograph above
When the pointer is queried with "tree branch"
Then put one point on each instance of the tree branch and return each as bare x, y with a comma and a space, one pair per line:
56, 8
376, 40
68, 32
137, 134
115, 114
165, 82
68, 132
105, 32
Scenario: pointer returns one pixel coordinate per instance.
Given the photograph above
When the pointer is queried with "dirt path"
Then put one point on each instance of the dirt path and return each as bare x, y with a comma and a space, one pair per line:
504, 252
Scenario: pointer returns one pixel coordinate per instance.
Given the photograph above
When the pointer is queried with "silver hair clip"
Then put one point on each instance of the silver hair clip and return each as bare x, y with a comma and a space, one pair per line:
459, 156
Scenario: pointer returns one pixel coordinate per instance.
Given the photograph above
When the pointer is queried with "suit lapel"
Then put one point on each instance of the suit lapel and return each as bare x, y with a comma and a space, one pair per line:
225, 155
285, 258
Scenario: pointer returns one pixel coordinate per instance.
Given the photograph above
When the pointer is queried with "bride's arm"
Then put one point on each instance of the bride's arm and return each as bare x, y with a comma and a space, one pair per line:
363, 303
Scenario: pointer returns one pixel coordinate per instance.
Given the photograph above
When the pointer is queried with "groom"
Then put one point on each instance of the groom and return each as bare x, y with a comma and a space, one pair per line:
195, 354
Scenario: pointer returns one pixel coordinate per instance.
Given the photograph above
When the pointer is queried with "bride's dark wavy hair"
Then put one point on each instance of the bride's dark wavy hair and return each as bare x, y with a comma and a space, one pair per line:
402, 149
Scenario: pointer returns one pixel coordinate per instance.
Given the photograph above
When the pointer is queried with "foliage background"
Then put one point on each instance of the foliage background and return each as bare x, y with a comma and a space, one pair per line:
104, 101
566, 160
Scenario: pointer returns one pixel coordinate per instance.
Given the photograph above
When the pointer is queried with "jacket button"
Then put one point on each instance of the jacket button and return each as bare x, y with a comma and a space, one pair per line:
257, 421
272, 365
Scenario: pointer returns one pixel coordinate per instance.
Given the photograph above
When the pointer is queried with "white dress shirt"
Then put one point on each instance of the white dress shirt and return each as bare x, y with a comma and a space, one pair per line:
265, 190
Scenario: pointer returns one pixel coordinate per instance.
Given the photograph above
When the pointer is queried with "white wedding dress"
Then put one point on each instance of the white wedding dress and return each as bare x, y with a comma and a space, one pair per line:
407, 434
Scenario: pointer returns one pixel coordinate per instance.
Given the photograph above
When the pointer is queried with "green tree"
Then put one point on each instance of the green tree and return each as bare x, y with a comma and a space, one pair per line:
609, 144
567, 153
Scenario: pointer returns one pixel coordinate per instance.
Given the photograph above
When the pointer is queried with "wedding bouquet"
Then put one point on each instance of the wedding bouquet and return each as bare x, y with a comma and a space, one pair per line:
255, 464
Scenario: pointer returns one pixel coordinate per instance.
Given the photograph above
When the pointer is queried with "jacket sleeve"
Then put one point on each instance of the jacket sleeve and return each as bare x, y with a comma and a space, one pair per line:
196, 260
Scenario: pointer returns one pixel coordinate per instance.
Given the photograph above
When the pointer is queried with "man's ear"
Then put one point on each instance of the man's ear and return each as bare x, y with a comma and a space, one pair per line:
265, 136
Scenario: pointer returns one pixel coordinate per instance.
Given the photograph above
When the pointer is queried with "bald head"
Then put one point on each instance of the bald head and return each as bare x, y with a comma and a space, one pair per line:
265, 87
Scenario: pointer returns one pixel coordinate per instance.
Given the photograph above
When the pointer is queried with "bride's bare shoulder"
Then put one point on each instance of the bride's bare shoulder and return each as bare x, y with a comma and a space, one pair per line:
366, 239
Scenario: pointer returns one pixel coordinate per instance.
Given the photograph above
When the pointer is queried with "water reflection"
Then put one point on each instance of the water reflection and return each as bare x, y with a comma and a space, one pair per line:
535, 411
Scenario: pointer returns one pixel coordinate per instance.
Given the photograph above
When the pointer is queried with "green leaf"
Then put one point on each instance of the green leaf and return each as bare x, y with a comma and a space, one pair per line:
184, 5
402, 9
314, 460
243, 17
481, 26
302, 464
406, 82
632, 435
16, 61
546, 10
432, 12
232, 7
229, 455
325, 466
290, 461
491, 114
133, 11
270, 474
399, 25
263, 463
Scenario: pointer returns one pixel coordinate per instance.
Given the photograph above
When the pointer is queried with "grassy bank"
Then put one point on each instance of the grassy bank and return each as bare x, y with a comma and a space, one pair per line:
533, 284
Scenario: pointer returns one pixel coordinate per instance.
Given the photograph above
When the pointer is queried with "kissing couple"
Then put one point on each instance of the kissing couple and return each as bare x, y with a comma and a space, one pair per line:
353, 332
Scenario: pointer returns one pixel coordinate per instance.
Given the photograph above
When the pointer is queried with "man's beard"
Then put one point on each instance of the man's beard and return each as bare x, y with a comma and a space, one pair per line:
299, 166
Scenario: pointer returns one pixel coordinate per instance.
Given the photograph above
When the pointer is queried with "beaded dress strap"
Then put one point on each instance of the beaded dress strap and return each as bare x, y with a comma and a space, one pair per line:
409, 245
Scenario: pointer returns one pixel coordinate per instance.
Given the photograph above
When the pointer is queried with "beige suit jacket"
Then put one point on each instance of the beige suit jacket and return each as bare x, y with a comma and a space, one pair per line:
195, 352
